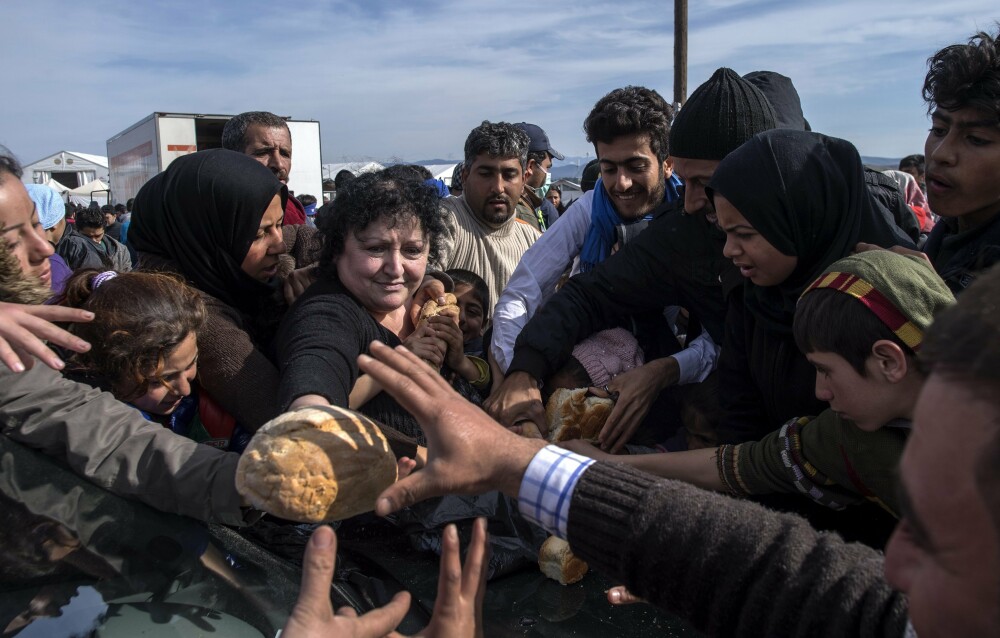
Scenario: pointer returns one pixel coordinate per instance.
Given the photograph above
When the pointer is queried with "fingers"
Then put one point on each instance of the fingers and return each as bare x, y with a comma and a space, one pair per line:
862, 247
450, 572
15, 361
406, 492
404, 467
402, 374
61, 314
620, 595
317, 574
476, 562
381, 621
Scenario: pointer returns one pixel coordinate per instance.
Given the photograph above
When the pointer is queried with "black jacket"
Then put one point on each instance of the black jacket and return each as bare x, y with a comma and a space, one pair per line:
960, 256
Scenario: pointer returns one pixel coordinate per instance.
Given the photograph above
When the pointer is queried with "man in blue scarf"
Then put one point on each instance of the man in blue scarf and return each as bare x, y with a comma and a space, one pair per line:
629, 128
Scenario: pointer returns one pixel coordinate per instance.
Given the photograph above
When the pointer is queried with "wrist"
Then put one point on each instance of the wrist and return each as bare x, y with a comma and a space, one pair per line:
514, 463
667, 372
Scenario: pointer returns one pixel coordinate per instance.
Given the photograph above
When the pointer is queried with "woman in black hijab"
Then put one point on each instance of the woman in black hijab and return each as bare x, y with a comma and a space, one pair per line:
215, 218
791, 203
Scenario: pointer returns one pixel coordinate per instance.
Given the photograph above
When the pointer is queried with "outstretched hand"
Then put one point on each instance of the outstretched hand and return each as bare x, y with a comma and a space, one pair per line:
467, 451
313, 615
457, 608
24, 329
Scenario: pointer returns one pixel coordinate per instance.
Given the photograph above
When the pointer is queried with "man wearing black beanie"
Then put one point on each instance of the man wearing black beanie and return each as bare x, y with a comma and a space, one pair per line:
676, 261
718, 118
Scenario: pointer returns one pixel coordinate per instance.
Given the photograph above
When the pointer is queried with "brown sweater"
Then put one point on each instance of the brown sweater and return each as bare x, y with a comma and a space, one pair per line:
730, 567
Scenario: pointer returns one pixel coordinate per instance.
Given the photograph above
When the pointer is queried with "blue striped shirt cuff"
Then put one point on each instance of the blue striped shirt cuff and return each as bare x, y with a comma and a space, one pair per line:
547, 488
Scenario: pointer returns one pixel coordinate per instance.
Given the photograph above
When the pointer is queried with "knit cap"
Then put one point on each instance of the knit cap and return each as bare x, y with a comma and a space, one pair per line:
719, 116
49, 204
902, 290
607, 354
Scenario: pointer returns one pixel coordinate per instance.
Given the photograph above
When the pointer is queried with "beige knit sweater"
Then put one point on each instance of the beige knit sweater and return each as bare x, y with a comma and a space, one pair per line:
491, 253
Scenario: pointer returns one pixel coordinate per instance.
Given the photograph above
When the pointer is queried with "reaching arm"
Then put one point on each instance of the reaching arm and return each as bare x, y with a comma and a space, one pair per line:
111, 445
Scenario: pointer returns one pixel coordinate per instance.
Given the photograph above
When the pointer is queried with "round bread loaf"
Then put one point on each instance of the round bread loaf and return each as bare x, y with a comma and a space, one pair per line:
316, 464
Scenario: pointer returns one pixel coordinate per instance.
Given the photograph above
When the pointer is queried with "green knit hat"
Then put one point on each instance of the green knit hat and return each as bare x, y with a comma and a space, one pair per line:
902, 290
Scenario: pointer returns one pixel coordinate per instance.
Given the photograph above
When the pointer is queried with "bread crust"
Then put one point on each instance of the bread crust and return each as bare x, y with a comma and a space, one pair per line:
573, 414
557, 561
315, 465
432, 309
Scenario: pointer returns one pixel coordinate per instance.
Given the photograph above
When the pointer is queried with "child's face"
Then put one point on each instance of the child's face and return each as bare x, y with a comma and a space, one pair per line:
962, 155
865, 400
179, 370
471, 314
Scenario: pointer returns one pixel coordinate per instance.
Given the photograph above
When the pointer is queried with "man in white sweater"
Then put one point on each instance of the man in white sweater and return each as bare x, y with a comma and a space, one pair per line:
484, 235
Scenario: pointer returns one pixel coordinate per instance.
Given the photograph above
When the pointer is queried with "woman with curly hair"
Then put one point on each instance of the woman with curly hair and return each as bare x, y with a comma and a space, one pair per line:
145, 351
377, 239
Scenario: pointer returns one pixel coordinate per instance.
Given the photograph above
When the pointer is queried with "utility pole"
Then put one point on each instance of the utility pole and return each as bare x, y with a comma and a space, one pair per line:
680, 51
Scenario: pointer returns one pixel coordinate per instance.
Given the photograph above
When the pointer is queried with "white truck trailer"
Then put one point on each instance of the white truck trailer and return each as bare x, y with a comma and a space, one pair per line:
148, 146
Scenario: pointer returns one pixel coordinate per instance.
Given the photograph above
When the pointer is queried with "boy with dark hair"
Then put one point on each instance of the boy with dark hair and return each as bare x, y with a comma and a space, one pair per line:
962, 90
860, 324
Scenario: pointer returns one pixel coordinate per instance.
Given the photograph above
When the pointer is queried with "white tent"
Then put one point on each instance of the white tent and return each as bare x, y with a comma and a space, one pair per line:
330, 170
95, 191
70, 168
442, 171
59, 188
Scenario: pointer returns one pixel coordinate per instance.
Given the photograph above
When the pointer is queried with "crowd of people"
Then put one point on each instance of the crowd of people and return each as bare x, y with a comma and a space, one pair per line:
773, 320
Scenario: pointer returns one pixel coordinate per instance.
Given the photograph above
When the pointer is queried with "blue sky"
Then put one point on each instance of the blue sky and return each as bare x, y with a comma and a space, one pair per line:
408, 80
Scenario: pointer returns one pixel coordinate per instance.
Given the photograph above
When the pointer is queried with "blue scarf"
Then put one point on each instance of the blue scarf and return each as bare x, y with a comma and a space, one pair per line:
603, 220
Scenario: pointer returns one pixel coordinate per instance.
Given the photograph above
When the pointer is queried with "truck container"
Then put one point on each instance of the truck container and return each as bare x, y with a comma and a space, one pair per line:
148, 146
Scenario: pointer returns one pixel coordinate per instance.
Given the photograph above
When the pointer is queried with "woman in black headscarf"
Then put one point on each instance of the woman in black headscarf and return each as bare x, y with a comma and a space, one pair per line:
215, 217
791, 203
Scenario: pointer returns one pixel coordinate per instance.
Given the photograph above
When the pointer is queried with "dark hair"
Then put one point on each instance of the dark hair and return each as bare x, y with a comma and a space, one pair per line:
629, 111
497, 139
15, 285
479, 286
234, 134
91, 217
139, 319
965, 75
408, 171
108, 209
538, 156
129, 204
306, 200
119, 208
591, 173
912, 161
342, 178
9, 165
830, 321
375, 196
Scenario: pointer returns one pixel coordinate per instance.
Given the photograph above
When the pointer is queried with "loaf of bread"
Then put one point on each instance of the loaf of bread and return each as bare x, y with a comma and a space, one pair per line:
558, 563
573, 414
432, 309
316, 464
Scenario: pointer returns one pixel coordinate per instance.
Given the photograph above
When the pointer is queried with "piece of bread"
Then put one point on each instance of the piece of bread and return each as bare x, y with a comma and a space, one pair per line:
557, 561
432, 309
573, 414
316, 464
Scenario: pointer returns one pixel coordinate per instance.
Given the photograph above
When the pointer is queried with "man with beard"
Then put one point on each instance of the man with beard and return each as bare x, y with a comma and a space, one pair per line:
676, 261
265, 137
484, 236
